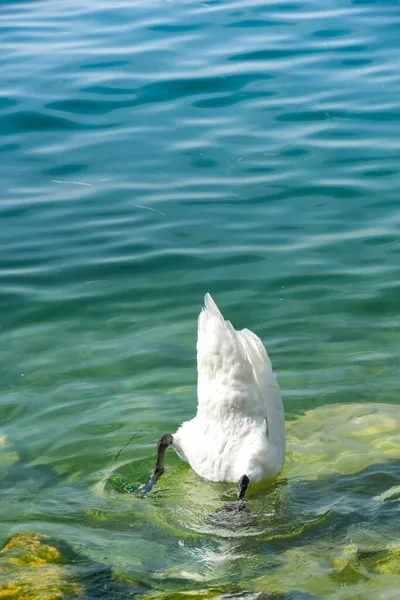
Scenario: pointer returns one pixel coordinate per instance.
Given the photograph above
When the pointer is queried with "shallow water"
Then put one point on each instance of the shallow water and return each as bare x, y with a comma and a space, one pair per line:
150, 153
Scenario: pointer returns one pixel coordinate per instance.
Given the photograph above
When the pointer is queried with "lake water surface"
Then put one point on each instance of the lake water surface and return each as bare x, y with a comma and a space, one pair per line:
151, 152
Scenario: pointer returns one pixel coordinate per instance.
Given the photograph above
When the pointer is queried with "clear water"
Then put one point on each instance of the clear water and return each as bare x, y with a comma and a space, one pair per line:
153, 151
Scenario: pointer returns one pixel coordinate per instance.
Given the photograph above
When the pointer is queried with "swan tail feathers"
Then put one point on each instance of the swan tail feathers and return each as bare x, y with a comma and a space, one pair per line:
211, 307
221, 359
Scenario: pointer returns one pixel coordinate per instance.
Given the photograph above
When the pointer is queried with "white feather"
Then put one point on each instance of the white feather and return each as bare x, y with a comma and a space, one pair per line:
239, 427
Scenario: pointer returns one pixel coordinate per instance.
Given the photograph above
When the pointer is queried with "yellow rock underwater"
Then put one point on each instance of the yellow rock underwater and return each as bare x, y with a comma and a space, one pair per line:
33, 568
342, 439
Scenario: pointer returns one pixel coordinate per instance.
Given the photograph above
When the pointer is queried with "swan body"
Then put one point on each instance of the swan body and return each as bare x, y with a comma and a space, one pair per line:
238, 433
239, 427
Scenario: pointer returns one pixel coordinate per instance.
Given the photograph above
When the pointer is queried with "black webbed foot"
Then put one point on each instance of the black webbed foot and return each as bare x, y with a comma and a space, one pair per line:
165, 441
231, 514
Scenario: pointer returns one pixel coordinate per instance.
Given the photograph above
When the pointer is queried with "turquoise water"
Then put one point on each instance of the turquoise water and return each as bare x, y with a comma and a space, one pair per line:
149, 153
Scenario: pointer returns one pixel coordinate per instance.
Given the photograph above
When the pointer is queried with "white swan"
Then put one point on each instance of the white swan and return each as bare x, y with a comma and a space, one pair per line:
238, 434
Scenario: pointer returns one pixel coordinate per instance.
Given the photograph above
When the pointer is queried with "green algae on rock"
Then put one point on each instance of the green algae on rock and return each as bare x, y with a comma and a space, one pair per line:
342, 438
34, 568
335, 572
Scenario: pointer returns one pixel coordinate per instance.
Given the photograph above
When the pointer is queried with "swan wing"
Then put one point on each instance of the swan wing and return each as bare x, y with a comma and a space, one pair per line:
234, 372
267, 385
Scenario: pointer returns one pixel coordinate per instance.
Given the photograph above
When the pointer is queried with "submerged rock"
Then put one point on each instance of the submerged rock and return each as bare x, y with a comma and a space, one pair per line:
342, 438
224, 592
33, 567
336, 573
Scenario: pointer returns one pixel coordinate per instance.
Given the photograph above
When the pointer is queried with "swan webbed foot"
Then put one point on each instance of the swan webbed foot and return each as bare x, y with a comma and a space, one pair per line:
231, 516
165, 441
242, 486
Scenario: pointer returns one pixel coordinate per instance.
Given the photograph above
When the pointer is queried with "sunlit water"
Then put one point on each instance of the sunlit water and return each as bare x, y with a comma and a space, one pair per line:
153, 151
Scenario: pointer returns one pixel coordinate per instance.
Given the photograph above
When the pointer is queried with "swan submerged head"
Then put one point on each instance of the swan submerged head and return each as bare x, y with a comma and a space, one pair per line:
238, 433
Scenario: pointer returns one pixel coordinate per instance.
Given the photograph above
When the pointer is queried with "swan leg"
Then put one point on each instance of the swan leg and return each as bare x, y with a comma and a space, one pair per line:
165, 441
242, 486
